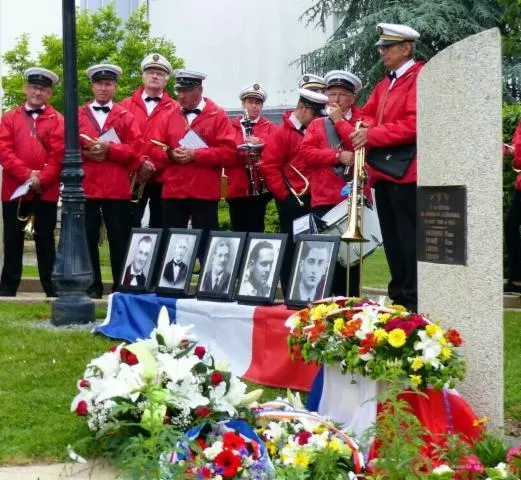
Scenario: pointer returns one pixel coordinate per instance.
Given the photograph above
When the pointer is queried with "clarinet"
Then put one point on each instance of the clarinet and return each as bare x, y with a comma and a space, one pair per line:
250, 161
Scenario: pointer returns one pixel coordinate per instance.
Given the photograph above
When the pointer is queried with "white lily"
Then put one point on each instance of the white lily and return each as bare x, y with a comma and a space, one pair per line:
369, 317
83, 395
176, 368
108, 364
430, 348
274, 431
173, 334
187, 395
220, 401
127, 384
236, 391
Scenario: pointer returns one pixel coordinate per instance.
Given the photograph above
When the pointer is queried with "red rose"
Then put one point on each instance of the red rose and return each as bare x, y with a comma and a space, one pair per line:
84, 383
418, 321
200, 351
216, 378
82, 409
396, 322
303, 437
229, 462
454, 337
202, 411
128, 357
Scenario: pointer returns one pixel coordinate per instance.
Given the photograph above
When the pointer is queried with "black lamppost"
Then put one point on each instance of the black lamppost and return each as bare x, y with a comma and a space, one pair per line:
72, 273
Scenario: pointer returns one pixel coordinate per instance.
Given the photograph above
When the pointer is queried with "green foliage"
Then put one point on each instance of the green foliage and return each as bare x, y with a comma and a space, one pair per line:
101, 37
491, 450
352, 44
271, 220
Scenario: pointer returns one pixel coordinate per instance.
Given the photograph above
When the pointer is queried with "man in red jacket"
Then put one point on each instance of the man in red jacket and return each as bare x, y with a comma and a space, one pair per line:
31, 152
245, 197
390, 113
200, 142
285, 171
109, 137
328, 151
148, 104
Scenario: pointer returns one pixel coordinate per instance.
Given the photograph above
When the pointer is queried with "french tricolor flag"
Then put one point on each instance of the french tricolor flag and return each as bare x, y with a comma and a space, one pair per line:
252, 339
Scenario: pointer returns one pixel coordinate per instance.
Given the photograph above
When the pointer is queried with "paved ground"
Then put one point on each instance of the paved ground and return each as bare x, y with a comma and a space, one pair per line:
73, 471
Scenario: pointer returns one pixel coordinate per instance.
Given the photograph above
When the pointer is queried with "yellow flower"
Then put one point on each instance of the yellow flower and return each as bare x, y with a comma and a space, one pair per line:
446, 353
479, 421
301, 459
338, 325
416, 379
319, 429
432, 329
384, 317
380, 335
272, 448
398, 308
331, 307
397, 338
335, 444
416, 363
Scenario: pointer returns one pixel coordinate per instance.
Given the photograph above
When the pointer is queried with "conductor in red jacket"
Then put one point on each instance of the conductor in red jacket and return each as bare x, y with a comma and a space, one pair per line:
31, 152
247, 195
391, 117
109, 136
328, 151
148, 104
200, 142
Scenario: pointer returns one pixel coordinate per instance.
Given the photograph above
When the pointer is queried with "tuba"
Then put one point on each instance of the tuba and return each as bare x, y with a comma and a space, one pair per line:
252, 160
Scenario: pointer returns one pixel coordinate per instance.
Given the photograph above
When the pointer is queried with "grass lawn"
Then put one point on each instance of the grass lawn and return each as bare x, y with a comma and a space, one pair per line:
40, 368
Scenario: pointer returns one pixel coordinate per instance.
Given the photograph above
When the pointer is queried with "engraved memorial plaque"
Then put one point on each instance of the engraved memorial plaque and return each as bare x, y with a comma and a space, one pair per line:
441, 235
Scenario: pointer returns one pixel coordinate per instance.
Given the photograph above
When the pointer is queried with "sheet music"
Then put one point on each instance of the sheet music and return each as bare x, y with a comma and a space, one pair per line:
110, 136
21, 190
192, 140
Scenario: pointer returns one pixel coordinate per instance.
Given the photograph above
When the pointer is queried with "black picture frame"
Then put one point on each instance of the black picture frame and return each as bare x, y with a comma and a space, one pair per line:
175, 280
218, 243
146, 277
262, 260
316, 287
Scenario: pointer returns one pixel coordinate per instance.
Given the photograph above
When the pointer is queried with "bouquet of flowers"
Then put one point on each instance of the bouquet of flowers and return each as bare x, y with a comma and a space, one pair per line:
166, 379
380, 342
227, 449
305, 445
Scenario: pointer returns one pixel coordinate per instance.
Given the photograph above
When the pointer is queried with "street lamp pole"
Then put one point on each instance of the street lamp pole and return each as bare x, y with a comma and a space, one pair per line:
72, 273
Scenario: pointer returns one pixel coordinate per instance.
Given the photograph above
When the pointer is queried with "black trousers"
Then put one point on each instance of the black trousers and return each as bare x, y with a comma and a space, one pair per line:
396, 205
152, 196
177, 212
289, 210
116, 217
44, 225
247, 213
339, 286
513, 238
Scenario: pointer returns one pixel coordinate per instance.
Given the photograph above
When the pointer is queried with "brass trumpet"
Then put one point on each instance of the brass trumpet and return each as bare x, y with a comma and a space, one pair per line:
136, 188
29, 226
252, 160
305, 188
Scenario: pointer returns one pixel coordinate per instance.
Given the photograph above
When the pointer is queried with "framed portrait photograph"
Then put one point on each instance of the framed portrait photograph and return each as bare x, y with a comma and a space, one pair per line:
220, 266
140, 260
177, 265
314, 264
260, 269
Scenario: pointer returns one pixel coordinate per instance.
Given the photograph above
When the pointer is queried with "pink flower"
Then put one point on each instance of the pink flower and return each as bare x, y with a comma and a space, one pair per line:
82, 409
471, 464
514, 453
303, 437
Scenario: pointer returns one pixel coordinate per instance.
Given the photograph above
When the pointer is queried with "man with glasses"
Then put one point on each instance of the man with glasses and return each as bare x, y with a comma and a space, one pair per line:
199, 141
148, 104
327, 150
390, 115
31, 153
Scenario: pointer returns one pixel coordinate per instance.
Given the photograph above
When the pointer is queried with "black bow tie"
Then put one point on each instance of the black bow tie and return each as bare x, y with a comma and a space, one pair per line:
38, 111
392, 75
187, 111
302, 128
153, 99
102, 109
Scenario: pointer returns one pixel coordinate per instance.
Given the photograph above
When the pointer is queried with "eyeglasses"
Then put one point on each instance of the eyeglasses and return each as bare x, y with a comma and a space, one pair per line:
39, 88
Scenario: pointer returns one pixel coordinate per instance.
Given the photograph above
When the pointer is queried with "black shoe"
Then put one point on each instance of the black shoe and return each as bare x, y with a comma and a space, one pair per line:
511, 289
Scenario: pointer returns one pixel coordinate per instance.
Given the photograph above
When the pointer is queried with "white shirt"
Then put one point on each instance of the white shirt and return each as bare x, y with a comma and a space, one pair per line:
191, 116
150, 105
100, 115
34, 115
348, 114
400, 71
294, 120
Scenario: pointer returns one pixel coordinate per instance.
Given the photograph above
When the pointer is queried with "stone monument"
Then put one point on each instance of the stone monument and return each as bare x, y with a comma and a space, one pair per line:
460, 269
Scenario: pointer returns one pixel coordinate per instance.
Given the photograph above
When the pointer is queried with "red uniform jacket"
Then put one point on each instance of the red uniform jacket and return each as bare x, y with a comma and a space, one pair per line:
238, 181
398, 125
516, 143
200, 178
282, 149
146, 124
320, 159
21, 151
110, 179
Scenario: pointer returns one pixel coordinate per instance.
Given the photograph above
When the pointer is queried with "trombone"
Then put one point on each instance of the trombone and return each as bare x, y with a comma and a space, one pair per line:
305, 188
355, 209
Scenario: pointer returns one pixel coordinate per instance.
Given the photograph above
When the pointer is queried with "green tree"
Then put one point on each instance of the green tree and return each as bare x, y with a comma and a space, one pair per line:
101, 37
351, 46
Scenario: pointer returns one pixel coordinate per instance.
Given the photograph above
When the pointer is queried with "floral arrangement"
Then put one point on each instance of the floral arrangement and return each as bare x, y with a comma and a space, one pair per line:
305, 445
167, 378
224, 450
380, 342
